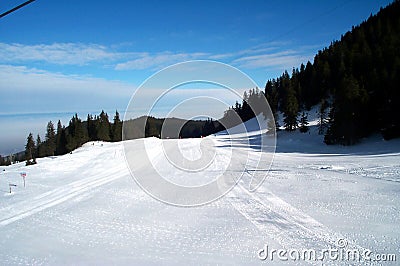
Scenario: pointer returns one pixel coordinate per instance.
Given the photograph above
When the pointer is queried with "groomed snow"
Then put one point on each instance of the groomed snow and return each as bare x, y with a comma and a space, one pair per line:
85, 208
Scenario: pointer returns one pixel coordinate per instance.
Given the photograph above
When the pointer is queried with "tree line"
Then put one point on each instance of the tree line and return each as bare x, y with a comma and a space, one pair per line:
251, 105
148, 126
355, 82
60, 140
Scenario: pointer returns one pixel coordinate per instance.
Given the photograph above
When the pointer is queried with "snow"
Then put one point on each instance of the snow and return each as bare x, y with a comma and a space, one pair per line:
85, 208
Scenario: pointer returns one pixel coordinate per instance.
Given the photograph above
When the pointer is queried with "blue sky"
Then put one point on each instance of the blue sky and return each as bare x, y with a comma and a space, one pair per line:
84, 56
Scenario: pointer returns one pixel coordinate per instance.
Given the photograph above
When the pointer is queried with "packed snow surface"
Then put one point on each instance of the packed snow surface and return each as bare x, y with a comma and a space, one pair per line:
85, 208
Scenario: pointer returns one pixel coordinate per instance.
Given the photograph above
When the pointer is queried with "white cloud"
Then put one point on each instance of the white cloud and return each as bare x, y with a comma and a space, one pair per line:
272, 55
278, 55
259, 49
158, 60
57, 53
281, 60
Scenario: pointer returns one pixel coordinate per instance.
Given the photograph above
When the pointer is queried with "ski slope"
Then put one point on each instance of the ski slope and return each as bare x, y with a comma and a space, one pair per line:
85, 208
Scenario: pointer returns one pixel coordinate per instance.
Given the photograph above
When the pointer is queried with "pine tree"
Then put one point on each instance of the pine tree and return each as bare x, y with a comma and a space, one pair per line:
304, 123
72, 142
350, 103
30, 150
60, 139
77, 134
208, 127
272, 96
291, 111
103, 129
116, 128
40, 152
91, 125
245, 108
50, 139
151, 129
81, 133
330, 135
322, 117
271, 126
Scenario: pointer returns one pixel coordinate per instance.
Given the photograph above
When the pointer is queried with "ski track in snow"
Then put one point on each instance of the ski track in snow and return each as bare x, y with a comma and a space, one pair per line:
282, 222
59, 195
49, 199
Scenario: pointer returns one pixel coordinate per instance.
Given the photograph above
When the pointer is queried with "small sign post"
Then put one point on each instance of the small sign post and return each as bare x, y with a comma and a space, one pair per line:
11, 185
23, 174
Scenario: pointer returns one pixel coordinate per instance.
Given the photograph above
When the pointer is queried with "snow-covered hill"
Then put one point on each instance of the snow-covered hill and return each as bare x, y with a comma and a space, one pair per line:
85, 208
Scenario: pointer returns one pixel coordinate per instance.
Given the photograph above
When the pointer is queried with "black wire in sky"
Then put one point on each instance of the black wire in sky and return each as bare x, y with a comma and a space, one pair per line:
16, 8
